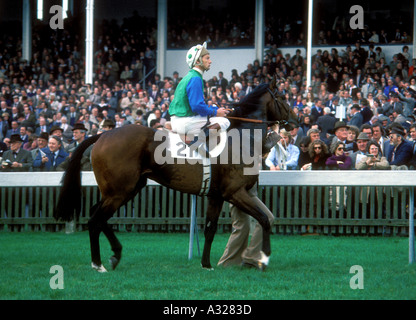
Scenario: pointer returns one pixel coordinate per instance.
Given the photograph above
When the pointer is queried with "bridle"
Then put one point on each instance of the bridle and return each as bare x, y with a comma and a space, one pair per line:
275, 95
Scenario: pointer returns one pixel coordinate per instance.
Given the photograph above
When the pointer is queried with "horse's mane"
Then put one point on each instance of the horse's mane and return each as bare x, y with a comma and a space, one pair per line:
251, 102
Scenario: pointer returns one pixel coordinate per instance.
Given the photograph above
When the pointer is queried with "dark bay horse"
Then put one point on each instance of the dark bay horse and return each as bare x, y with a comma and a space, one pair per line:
124, 158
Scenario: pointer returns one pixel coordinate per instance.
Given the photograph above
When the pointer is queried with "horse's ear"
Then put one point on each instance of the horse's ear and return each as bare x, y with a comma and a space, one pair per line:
273, 82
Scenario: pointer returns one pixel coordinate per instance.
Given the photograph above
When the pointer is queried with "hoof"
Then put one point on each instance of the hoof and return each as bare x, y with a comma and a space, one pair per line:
100, 268
114, 262
264, 261
209, 268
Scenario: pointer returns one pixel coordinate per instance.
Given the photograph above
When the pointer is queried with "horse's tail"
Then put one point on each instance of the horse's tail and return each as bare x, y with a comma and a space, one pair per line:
70, 194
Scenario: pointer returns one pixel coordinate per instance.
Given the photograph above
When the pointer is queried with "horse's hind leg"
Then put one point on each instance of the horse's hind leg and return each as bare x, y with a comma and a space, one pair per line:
116, 246
96, 225
211, 222
94, 232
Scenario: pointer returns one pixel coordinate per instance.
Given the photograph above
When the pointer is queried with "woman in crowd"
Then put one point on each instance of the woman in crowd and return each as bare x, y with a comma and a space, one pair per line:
318, 154
374, 160
338, 160
351, 145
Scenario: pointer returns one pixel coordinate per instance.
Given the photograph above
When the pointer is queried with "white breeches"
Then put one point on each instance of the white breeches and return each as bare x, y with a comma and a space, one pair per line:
193, 125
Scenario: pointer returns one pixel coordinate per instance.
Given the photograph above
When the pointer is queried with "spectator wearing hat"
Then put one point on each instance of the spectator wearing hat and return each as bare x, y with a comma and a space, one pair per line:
356, 116
362, 141
58, 131
340, 132
79, 133
296, 133
401, 150
16, 159
49, 158
42, 142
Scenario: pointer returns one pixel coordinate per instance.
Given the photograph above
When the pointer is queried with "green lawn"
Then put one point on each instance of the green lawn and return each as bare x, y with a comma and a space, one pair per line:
156, 266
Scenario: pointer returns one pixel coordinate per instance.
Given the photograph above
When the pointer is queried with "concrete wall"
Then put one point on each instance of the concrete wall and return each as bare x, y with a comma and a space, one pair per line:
222, 60
237, 58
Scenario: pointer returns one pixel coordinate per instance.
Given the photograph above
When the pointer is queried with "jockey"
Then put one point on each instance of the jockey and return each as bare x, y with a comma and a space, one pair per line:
189, 112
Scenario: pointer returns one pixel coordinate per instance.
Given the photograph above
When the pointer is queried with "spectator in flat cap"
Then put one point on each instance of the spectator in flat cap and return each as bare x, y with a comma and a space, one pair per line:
401, 150
362, 141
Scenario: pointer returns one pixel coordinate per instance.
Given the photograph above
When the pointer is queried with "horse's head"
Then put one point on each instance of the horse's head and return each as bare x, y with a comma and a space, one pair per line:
277, 109
265, 104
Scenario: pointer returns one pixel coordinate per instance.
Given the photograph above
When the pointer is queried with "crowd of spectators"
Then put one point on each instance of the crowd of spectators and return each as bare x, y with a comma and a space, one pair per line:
45, 102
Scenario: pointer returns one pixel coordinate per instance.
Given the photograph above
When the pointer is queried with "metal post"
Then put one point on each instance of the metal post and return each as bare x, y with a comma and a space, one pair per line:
27, 32
193, 228
89, 42
309, 46
259, 30
411, 226
162, 31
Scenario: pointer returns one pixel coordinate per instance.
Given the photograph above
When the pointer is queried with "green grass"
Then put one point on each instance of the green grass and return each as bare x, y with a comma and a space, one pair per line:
155, 266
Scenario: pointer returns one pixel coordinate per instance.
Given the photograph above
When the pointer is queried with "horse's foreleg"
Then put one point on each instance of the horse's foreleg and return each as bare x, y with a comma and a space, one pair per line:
211, 222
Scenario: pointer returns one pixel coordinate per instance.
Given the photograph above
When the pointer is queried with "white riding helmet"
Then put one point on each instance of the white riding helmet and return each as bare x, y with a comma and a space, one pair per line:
193, 54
